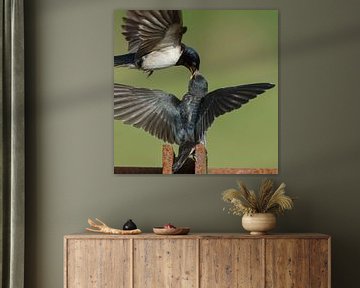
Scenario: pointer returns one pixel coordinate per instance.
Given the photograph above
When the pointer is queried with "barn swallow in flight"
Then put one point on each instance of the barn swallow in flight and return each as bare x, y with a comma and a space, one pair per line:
185, 121
154, 41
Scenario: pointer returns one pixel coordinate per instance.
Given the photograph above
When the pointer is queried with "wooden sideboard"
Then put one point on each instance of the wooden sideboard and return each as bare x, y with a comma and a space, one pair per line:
197, 260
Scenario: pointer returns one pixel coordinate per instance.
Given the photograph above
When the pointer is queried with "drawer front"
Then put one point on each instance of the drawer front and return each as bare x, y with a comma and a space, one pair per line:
231, 263
165, 263
98, 263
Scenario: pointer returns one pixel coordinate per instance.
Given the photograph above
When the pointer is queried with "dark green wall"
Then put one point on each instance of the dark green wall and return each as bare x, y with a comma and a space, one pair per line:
69, 133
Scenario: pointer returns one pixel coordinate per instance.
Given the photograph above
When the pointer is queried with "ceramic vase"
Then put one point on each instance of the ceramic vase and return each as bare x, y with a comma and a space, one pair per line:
259, 223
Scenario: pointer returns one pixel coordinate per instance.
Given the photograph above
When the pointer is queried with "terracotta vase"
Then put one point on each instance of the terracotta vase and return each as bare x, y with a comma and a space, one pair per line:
259, 223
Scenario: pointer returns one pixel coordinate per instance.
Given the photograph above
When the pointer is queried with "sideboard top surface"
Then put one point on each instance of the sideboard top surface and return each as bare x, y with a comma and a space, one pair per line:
87, 235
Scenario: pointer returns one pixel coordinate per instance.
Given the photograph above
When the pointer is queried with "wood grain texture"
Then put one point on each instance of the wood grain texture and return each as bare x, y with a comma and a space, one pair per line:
319, 263
287, 263
168, 157
88, 235
164, 263
98, 263
231, 263
245, 171
201, 159
206, 260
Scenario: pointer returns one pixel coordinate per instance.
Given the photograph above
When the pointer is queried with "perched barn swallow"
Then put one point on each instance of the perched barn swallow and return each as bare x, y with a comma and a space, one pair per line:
154, 38
185, 121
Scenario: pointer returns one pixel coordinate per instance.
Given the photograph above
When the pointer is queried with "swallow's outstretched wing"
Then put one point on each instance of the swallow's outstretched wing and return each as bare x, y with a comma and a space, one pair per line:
149, 30
223, 100
155, 111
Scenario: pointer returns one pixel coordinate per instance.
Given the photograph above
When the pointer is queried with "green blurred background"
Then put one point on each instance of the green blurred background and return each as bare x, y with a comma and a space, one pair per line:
236, 47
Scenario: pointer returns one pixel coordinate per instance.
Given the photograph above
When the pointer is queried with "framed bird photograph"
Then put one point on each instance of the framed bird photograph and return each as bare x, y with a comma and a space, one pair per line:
196, 92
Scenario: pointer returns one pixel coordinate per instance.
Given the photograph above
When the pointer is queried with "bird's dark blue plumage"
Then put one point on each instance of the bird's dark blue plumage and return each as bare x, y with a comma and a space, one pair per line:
154, 41
185, 121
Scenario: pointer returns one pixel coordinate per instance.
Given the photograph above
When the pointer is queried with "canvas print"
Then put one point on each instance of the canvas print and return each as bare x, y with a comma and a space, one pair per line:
196, 92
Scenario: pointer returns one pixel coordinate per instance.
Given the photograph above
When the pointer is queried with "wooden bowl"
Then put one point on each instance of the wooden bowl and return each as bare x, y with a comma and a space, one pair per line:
171, 231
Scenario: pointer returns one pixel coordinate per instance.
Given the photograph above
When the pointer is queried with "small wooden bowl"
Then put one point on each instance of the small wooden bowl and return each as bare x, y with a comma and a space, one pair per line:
171, 231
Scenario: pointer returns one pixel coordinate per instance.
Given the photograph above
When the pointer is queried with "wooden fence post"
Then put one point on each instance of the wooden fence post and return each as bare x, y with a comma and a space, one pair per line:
167, 159
200, 167
201, 159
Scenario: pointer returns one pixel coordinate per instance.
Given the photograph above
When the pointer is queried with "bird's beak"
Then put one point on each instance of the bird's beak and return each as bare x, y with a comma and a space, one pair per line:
194, 71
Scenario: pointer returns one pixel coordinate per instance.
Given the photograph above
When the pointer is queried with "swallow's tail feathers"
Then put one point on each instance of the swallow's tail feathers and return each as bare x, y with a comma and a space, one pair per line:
185, 150
124, 60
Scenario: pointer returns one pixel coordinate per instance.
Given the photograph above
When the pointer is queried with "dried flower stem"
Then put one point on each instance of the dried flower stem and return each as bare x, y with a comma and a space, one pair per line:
101, 227
245, 201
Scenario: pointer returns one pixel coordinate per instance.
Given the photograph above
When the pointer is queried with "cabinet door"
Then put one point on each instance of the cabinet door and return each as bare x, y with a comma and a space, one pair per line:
98, 263
297, 263
287, 263
320, 263
231, 263
165, 263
